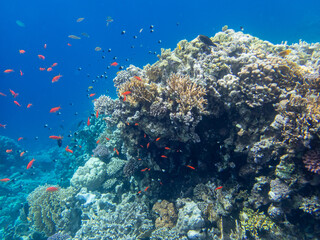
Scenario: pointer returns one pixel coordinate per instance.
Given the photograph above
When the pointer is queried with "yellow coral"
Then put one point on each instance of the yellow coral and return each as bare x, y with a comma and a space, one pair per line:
168, 215
255, 222
141, 91
186, 93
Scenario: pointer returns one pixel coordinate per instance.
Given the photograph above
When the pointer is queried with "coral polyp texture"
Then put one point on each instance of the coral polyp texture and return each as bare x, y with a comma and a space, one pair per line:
212, 141
311, 161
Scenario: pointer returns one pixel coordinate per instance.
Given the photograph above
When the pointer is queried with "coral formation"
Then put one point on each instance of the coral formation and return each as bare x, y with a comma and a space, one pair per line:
167, 214
311, 161
52, 211
256, 222
91, 175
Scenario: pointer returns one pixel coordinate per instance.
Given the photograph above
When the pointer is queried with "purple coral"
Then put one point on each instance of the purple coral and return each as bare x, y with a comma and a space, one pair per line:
312, 161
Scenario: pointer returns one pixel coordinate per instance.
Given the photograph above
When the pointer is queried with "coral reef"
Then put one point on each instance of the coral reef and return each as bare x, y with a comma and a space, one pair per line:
209, 142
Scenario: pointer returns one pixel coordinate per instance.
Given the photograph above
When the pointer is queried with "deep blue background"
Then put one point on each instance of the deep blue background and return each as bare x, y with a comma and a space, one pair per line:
51, 22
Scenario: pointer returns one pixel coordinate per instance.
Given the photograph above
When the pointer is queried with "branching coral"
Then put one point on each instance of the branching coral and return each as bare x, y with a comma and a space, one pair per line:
46, 208
187, 94
255, 222
311, 206
104, 105
140, 91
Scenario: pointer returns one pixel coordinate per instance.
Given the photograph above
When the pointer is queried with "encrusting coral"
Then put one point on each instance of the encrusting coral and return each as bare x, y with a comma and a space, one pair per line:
167, 214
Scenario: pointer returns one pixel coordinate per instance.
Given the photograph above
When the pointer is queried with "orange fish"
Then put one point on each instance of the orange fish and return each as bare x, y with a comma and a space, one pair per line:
139, 159
8, 70
42, 69
55, 137
144, 135
116, 151
114, 64
97, 114
68, 150
157, 139
139, 192
136, 124
21, 154
146, 188
21, 73
55, 109
145, 169
138, 78
45, 46
108, 139
13, 93
125, 98
8, 150
141, 146
166, 148
190, 167
2, 125
30, 163
218, 188
148, 145
88, 122
56, 78
22, 51
49, 69
29, 105
126, 93
41, 57
69, 44
97, 141
54, 64
2, 94
18, 104
52, 189
164, 156
20, 138
5, 180
92, 94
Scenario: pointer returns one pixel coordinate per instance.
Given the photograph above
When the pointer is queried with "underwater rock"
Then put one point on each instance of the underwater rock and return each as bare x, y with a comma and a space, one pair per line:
91, 175
278, 190
88, 198
189, 217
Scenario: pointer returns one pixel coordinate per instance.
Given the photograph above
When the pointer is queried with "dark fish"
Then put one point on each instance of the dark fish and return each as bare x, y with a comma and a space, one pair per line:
59, 142
206, 40
241, 28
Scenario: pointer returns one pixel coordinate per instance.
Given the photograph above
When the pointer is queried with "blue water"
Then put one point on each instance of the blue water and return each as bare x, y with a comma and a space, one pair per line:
50, 22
